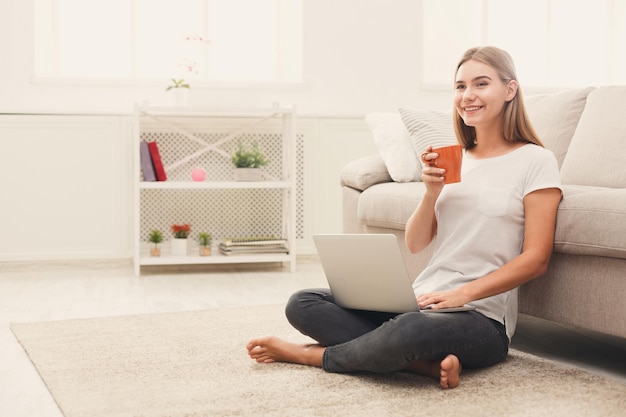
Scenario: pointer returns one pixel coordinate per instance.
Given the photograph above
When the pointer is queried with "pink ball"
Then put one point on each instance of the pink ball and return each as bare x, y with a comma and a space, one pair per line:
198, 174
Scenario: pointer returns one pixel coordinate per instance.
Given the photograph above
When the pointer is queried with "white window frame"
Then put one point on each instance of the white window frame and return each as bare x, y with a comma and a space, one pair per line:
551, 49
288, 59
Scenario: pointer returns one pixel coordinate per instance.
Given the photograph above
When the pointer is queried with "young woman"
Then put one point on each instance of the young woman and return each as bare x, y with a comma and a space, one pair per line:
493, 232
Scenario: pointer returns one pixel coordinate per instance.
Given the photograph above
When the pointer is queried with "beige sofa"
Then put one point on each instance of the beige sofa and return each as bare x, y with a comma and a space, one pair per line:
585, 285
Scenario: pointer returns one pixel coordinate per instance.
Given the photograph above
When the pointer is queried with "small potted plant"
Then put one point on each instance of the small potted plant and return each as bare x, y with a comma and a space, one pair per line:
179, 243
179, 91
248, 162
205, 240
177, 84
155, 237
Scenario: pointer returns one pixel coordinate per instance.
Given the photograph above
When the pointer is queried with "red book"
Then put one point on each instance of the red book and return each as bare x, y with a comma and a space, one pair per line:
156, 161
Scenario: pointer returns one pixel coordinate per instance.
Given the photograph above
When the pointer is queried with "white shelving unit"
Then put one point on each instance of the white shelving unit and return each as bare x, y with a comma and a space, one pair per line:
191, 138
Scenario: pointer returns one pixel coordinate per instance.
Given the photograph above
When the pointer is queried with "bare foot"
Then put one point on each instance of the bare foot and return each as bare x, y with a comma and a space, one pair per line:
272, 349
449, 373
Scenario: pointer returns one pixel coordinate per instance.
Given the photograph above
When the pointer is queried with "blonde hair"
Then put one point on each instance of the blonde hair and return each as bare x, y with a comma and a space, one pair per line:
517, 126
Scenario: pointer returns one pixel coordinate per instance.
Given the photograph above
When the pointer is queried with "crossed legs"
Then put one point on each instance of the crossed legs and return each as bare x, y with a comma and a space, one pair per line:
273, 349
434, 345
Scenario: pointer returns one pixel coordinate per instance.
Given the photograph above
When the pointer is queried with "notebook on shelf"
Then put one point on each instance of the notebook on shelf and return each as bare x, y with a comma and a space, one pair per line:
253, 241
252, 245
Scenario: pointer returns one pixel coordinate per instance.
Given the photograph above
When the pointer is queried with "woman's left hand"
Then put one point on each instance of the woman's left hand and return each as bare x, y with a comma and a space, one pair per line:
443, 299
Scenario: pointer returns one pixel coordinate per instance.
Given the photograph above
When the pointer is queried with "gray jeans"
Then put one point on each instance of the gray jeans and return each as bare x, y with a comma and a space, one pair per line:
370, 341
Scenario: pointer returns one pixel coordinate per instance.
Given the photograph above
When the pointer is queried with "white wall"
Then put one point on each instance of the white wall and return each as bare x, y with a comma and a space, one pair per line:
364, 55
64, 197
66, 187
359, 56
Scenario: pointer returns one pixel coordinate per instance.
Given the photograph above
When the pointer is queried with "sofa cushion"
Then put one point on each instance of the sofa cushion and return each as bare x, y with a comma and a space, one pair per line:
365, 172
394, 145
597, 153
428, 128
390, 204
555, 116
592, 221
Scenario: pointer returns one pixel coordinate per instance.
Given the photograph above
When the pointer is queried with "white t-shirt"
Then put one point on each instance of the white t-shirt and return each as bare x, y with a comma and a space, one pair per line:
480, 224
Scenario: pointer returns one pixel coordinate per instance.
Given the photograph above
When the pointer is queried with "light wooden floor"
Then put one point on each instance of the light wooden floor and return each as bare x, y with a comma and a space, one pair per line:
58, 291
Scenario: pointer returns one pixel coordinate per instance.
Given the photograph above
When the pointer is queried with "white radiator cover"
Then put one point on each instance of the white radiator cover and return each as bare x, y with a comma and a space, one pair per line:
223, 213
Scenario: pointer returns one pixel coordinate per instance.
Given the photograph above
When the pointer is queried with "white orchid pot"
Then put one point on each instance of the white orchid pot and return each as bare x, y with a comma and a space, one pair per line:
179, 97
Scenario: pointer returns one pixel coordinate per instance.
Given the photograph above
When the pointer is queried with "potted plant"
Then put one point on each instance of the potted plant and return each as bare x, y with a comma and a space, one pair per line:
248, 162
155, 237
179, 243
179, 91
205, 240
177, 84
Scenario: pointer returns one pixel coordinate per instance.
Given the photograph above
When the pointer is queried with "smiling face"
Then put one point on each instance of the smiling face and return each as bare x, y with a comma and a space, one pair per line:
481, 94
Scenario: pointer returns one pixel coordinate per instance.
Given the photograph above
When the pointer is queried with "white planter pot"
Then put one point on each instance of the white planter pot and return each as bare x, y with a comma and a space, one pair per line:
178, 247
179, 97
248, 174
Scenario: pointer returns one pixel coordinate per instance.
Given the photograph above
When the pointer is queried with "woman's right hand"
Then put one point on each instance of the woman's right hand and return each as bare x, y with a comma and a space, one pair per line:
421, 227
432, 176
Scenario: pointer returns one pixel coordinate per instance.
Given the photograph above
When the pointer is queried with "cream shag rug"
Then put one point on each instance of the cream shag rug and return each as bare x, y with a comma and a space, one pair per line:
195, 364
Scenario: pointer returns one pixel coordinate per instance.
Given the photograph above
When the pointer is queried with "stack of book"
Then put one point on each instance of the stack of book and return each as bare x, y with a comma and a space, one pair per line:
151, 164
253, 245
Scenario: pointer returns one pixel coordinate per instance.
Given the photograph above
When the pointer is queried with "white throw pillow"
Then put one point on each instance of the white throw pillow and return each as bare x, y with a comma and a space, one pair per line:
394, 145
428, 128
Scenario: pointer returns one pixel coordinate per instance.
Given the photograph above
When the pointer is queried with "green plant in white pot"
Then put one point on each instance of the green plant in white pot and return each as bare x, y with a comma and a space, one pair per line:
180, 83
248, 162
179, 92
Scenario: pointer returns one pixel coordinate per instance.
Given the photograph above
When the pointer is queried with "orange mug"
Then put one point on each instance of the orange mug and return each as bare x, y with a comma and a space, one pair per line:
450, 158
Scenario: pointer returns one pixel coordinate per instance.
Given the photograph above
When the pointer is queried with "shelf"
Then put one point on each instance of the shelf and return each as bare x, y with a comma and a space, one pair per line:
222, 185
214, 112
215, 258
190, 138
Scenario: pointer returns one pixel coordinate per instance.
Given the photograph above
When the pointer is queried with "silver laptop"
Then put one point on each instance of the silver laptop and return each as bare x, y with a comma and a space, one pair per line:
367, 272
